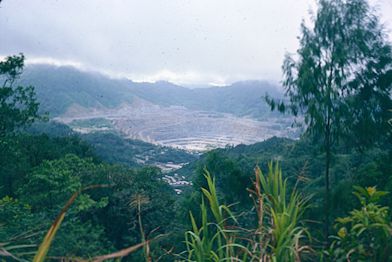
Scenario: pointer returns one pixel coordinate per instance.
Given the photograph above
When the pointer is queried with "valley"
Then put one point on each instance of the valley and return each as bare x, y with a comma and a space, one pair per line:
157, 124
176, 126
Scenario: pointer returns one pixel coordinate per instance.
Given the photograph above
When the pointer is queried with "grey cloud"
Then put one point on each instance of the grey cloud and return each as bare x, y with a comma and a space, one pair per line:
195, 41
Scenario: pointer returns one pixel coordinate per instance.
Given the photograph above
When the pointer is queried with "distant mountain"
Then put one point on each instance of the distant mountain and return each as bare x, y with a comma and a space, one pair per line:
241, 98
58, 88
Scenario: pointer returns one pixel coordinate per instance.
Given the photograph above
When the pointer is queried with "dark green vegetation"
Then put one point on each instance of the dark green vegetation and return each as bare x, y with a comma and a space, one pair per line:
39, 173
112, 148
42, 166
334, 180
300, 160
135, 153
58, 88
18, 103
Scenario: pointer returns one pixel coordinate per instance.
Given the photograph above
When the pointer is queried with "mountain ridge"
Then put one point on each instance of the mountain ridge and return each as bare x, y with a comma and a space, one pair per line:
58, 88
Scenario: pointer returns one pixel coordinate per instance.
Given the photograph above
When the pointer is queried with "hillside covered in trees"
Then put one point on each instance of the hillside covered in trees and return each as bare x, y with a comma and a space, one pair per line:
100, 196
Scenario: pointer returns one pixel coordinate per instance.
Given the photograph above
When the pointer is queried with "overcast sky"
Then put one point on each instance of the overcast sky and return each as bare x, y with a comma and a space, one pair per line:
183, 41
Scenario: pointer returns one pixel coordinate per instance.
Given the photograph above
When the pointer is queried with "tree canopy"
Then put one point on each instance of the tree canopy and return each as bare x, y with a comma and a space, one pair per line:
18, 104
340, 79
341, 76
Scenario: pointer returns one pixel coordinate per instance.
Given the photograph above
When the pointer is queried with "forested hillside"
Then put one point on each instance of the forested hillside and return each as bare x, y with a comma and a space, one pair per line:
113, 148
303, 165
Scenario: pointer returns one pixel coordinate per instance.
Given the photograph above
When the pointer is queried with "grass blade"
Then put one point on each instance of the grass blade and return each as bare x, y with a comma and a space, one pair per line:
46, 243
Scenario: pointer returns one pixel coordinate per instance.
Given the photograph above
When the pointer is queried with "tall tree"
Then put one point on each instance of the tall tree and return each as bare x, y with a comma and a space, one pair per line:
18, 108
18, 104
340, 78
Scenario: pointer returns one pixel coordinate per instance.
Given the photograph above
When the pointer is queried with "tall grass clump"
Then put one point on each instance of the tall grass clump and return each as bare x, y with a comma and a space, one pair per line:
214, 239
276, 236
281, 222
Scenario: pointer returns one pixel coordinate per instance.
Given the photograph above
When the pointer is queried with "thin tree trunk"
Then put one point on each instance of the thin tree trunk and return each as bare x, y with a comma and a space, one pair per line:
327, 206
147, 246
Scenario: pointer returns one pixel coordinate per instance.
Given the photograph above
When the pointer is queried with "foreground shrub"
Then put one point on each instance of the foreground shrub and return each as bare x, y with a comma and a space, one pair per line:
276, 237
366, 233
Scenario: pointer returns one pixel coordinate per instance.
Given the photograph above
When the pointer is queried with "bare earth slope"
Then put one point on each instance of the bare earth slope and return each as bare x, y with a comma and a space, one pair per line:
160, 113
177, 126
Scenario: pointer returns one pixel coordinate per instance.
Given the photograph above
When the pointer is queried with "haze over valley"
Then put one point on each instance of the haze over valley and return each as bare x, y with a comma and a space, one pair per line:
160, 113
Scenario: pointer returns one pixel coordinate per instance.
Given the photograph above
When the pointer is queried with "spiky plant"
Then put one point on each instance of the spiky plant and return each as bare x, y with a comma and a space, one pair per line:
284, 210
276, 237
213, 240
279, 212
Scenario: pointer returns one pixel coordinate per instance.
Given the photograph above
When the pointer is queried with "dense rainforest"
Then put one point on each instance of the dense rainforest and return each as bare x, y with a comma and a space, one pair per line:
327, 196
